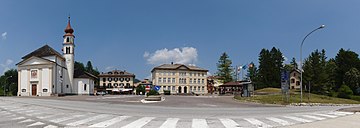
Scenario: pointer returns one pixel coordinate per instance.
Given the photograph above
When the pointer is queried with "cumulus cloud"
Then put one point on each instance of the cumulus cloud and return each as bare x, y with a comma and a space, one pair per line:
3, 35
285, 58
6, 65
184, 55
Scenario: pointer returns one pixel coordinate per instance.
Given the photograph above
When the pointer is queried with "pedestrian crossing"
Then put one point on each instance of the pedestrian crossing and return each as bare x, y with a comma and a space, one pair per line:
54, 118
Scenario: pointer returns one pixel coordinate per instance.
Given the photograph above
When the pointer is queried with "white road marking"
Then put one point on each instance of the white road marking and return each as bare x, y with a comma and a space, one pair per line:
229, 123
18, 118
340, 113
257, 123
48, 116
279, 121
58, 120
314, 117
298, 119
139, 123
170, 123
36, 124
87, 120
51, 126
25, 121
199, 123
110, 122
325, 115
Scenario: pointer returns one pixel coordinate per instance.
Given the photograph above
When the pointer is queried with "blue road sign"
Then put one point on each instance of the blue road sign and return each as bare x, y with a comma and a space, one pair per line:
156, 88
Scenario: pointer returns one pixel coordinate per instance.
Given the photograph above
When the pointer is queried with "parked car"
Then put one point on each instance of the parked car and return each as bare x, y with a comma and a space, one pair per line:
100, 93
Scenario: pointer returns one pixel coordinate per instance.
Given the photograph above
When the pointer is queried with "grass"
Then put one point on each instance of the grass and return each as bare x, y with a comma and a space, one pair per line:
269, 90
277, 98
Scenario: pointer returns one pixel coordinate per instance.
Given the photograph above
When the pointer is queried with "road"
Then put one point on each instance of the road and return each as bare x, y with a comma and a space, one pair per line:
175, 111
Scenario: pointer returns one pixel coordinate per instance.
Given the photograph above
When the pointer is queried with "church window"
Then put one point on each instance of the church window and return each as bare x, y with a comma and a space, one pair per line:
67, 39
85, 87
67, 86
67, 50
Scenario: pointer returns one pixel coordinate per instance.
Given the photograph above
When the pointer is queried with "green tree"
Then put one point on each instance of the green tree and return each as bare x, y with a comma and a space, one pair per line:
294, 63
89, 68
79, 66
315, 72
345, 92
139, 89
345, 60
225, 69
330, 69
270, 67
252, 72
352, 79
9, 81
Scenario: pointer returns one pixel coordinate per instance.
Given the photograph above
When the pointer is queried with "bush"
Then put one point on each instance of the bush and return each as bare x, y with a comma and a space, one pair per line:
345, 92
140, 89
357, 98
167, 92
152, 92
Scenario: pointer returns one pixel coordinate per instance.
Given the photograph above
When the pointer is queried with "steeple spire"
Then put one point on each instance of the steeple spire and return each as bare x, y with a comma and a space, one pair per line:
68, 30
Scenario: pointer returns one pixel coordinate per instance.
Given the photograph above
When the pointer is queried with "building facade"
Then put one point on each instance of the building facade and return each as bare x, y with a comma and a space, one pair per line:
180, 79
295, 79
46, 72
117, 82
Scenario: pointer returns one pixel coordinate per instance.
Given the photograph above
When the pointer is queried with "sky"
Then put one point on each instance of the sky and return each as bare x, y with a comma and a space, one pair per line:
137, 35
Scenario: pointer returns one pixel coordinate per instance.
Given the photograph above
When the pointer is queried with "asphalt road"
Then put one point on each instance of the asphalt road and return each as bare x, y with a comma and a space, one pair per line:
176, 111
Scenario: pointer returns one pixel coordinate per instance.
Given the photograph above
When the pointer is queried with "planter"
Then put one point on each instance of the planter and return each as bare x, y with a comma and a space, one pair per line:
153, 98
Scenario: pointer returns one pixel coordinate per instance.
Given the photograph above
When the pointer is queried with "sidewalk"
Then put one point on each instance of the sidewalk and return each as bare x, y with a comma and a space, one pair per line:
352, 121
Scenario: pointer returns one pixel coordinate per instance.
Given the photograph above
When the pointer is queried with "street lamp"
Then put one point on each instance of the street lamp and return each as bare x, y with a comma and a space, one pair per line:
301, 70
6, 84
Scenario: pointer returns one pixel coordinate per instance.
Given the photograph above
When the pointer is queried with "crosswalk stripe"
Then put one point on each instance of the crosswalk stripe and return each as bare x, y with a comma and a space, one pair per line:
110, 122
199, 123
229, 123
47, 116
51, 126
18, 118
298, 119
314, 117
170, 123
139, 123
280, 121
36, 124
87, 120
325, 115
25, 121
58, 120
257, 123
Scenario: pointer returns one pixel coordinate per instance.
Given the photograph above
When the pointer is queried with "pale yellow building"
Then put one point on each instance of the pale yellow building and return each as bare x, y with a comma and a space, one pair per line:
295, 79
180, 79
117, 82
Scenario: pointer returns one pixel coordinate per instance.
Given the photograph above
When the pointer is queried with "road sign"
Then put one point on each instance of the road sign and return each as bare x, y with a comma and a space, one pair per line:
147, 87
156, 88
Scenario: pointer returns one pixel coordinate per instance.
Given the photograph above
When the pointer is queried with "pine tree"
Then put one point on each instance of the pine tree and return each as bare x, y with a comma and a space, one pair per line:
225, 69
315, 72
345, 60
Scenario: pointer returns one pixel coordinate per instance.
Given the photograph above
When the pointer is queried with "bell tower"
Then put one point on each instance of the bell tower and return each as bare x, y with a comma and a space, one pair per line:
68, 50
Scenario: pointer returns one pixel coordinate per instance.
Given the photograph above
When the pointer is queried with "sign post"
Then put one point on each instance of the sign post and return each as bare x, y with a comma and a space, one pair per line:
285, 85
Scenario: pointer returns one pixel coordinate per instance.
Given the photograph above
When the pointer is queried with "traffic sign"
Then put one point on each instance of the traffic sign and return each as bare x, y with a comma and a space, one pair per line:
156, 88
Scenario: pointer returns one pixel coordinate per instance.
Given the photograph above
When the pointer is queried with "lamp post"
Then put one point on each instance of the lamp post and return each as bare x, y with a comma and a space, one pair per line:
301, 70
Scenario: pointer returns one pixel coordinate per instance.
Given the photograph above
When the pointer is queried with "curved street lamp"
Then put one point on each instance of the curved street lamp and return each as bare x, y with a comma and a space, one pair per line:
301, 70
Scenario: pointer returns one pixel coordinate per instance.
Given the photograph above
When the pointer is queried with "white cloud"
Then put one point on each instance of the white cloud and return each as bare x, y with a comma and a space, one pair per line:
285, 59
184, 55
6, 66
3, 35
109, 68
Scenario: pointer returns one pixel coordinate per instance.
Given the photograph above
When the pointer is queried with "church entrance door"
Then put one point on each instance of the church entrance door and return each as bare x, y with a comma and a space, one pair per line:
33, 89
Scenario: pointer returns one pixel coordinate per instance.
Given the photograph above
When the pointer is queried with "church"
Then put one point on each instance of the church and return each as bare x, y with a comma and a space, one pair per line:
46, 72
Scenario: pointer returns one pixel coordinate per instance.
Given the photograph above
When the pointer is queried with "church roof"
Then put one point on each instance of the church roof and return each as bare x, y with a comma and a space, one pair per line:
83, 74
44, 51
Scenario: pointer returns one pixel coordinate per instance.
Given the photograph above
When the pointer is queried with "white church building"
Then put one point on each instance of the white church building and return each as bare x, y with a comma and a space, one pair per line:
46, 72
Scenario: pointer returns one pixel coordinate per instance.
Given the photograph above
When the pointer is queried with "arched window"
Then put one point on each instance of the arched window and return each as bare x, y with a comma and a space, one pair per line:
67, 50
85, 87
67, 39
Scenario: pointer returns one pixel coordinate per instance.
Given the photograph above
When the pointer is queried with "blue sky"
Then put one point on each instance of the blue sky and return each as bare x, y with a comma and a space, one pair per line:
136, 35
